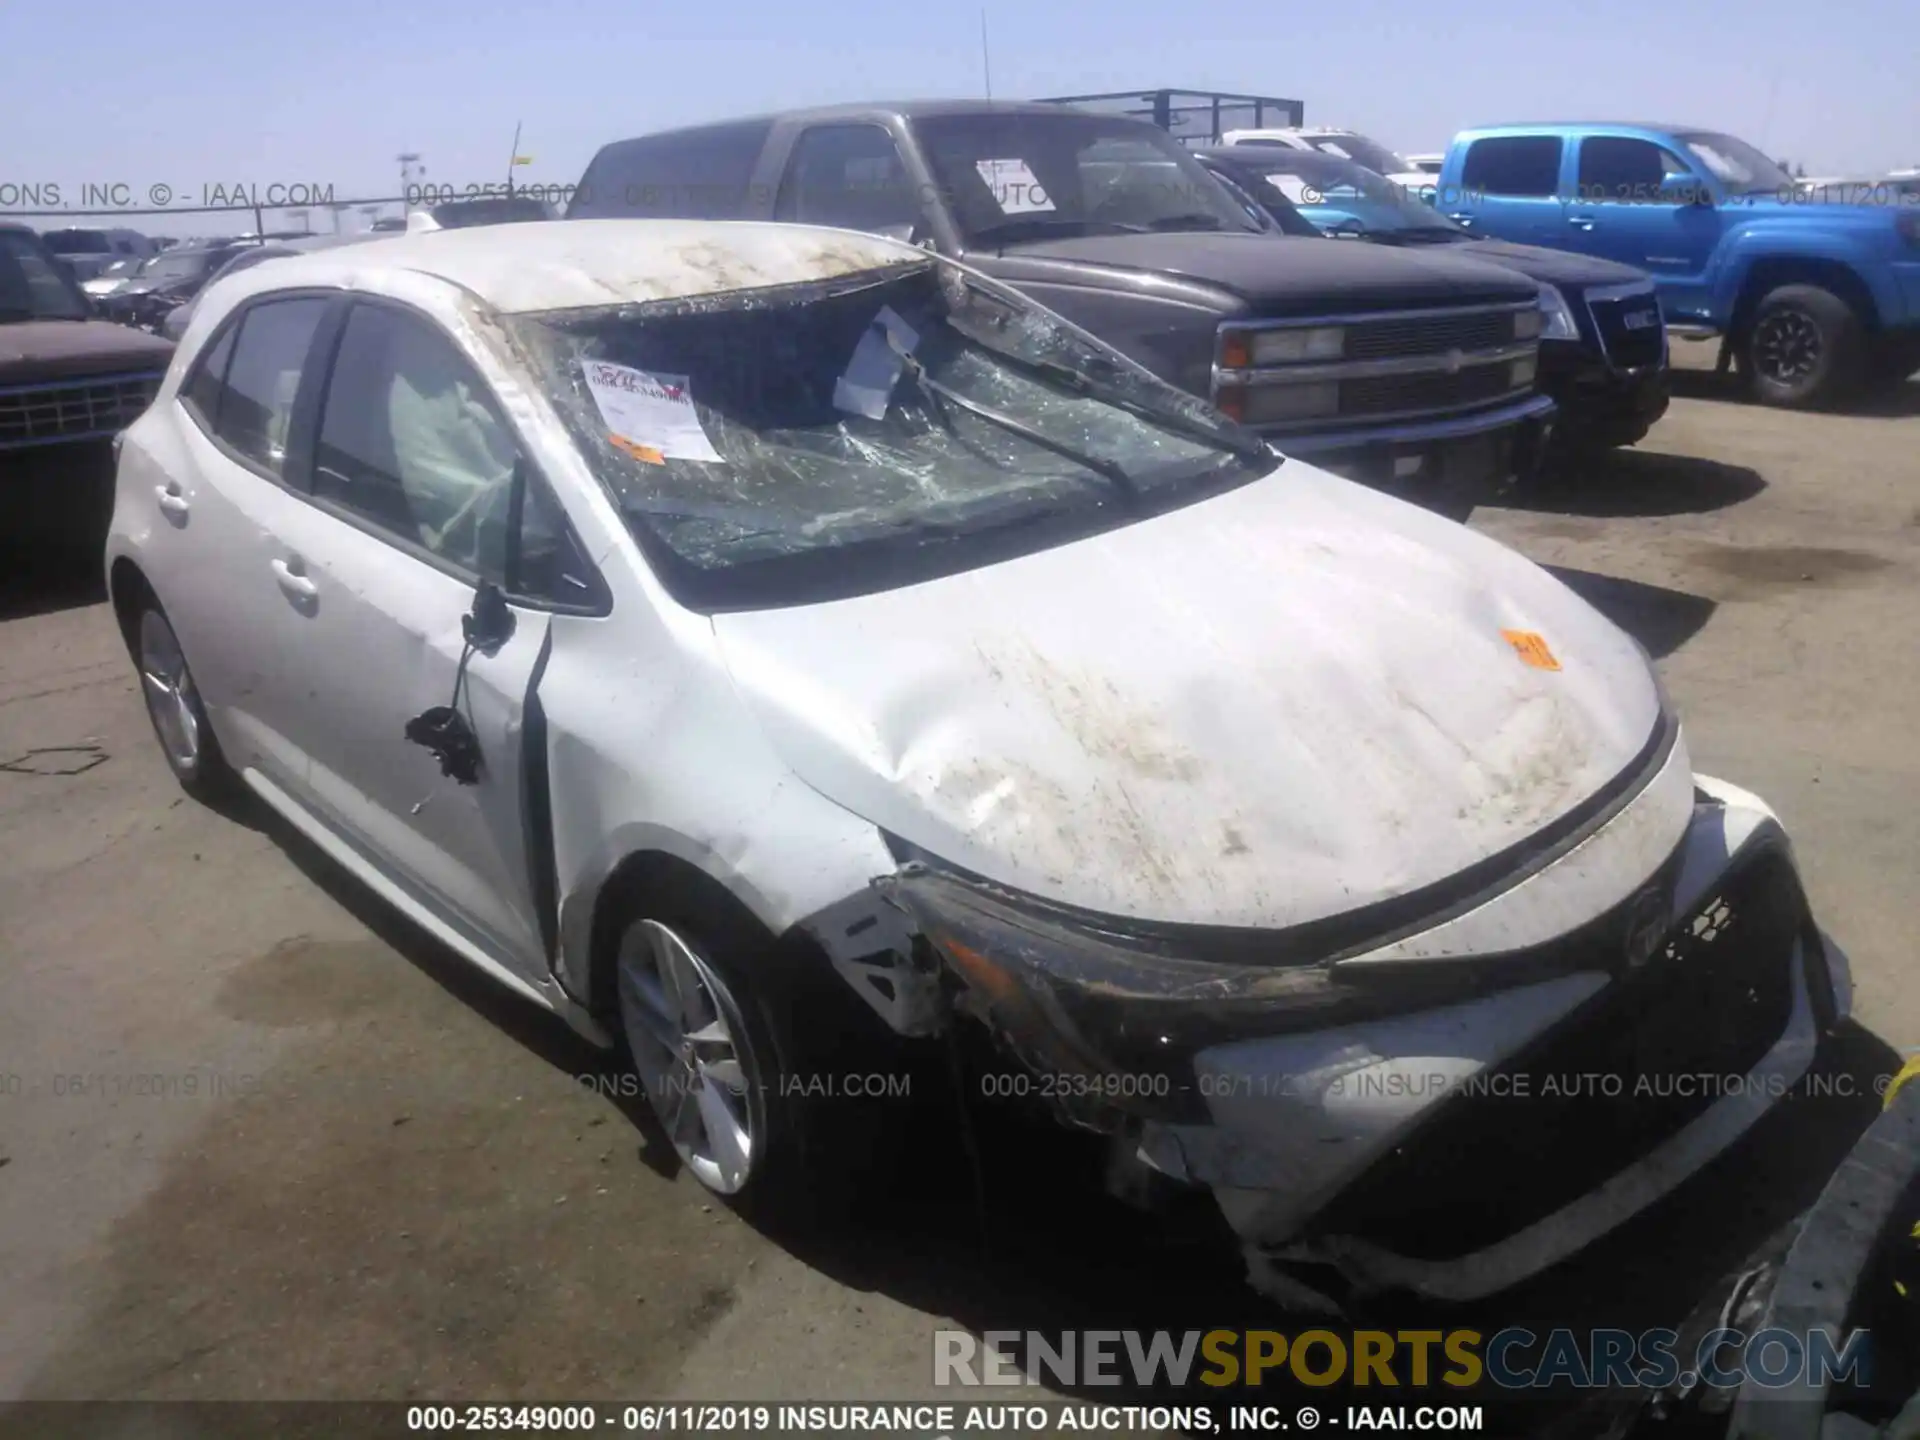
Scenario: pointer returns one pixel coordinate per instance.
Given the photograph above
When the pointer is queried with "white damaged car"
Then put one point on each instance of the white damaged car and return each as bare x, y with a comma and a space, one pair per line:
684, 622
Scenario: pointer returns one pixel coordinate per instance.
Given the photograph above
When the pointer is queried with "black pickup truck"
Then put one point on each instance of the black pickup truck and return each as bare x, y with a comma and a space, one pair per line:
1413, 372
68, 384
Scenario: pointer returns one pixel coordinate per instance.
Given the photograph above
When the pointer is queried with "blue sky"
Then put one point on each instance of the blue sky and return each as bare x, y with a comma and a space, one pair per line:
193, 92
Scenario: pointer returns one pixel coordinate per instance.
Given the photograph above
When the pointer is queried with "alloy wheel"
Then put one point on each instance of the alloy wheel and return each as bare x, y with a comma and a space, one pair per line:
683, 1028
168, 687
1786, 346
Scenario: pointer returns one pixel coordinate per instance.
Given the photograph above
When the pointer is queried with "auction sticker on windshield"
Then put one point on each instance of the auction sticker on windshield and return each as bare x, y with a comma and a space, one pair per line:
867, 386
1016, 189
651, 417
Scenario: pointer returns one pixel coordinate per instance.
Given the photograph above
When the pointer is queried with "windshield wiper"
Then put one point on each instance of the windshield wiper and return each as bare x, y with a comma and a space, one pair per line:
1194, 221
1249, 447
1001, 231
1414, 235
939, 396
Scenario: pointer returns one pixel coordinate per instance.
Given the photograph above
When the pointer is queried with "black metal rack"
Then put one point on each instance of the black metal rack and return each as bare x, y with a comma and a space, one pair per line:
1194, 117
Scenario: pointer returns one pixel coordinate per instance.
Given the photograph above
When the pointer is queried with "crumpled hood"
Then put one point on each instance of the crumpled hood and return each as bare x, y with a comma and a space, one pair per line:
1277, 705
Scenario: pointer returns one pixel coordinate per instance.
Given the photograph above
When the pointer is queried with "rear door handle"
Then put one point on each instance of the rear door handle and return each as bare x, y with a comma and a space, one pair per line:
292, 581
1580, 222
1464, 219
170, 498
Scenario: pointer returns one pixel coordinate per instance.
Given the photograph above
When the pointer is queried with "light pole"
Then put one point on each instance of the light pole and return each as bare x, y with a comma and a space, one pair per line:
410, 170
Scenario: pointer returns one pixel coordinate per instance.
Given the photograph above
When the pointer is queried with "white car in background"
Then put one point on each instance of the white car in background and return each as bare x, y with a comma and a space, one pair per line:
706, 628
1428, 164
1344, 145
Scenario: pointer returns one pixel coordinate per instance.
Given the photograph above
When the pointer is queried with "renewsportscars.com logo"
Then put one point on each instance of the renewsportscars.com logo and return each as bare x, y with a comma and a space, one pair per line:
1510, 1359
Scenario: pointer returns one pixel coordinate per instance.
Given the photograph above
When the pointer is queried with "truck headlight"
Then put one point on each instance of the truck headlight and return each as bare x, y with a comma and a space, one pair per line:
1556, 316
1244, 349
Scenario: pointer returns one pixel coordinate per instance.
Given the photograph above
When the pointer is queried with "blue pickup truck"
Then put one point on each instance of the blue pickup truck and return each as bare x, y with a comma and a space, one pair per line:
1815, 295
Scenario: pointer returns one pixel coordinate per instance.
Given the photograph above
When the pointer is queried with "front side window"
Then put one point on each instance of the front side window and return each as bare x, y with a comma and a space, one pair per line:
1626, 170
850, 176
256, 406
1517, 165
412, 441
853, 435
1012, 177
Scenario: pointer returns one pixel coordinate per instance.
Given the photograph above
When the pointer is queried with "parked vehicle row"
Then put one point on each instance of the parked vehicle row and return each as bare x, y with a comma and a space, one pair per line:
1603, 348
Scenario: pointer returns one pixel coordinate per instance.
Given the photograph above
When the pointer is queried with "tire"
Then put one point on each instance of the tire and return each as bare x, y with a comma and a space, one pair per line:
730, 1036
175, 709
1804, 347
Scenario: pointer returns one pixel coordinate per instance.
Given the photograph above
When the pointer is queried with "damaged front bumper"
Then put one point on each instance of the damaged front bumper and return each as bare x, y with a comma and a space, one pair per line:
1448, 1128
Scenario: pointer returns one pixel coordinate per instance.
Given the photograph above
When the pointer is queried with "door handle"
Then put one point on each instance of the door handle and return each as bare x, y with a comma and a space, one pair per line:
1580, 222
1462, 217
170, 498
294, 584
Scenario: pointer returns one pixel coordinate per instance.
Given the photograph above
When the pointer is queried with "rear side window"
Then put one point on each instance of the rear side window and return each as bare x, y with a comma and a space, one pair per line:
256, 405
1513, 165
701, 174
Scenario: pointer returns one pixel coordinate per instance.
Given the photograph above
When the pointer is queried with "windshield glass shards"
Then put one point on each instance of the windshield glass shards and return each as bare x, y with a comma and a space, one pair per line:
773, 442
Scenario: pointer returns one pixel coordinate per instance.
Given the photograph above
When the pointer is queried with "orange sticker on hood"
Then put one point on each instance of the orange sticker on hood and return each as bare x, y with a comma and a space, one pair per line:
1531, 648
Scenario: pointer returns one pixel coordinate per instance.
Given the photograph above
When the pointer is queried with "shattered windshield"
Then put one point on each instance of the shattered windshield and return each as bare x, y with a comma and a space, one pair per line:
768, 446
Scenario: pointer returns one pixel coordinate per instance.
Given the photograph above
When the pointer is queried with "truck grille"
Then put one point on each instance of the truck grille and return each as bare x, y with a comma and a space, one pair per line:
1679, 1034
96, 407
1630, 328
1429, 334
1395, 394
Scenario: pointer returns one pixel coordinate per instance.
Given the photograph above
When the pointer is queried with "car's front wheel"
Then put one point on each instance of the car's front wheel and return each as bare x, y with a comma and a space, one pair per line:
1804, 347
174, 706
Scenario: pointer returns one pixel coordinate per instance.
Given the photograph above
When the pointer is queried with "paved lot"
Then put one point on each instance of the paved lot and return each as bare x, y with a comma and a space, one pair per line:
389, 1181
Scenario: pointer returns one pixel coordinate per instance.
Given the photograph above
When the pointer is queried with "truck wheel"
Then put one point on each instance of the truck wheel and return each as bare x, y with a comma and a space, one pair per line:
1804, 347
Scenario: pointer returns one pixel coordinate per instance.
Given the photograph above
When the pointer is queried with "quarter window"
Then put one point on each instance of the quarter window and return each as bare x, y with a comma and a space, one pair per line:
1527, 165
201, 394
255, 406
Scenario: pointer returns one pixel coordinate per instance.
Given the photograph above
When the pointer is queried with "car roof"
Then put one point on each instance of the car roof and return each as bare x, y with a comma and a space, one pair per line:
867, 110
576, 264
1650, 125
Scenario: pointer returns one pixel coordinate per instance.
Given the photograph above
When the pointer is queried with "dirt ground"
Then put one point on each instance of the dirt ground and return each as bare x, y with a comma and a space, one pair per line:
258, 1139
